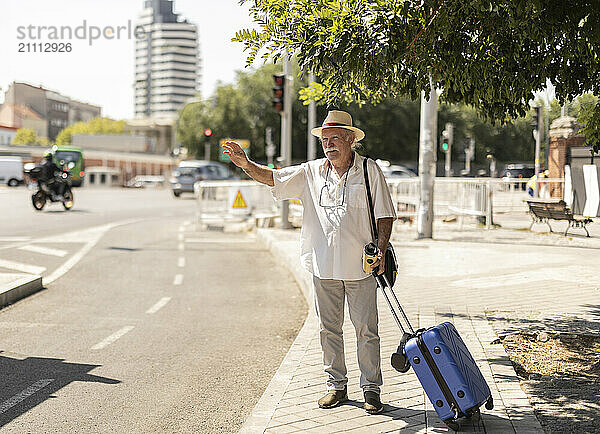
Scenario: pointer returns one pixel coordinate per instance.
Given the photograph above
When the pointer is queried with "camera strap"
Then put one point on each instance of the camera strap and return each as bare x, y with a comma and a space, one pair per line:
370, 199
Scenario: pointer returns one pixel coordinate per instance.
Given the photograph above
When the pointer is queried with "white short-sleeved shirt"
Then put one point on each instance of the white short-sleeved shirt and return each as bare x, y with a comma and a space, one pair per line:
332, 239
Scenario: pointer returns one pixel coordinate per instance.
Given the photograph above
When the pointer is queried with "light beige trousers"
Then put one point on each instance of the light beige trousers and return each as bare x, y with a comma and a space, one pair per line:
362, 307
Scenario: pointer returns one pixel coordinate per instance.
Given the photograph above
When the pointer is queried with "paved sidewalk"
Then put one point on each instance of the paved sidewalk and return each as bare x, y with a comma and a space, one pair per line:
486, 282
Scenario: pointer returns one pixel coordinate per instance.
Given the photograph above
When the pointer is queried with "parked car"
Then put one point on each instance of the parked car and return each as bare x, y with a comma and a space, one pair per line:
518, 170
395, 171
189, 172
145, 181
11, 171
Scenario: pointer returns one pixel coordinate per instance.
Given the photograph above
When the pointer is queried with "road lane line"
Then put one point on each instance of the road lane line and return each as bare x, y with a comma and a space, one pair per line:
180, 247
178, 280
217, 241
109, 340
159, 305
93, 235
44, 250
181, 262
180, 237
19, 397
14, 239
25, 268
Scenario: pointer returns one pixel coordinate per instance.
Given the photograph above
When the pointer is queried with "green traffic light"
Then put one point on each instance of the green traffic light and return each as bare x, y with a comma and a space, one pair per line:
444, 147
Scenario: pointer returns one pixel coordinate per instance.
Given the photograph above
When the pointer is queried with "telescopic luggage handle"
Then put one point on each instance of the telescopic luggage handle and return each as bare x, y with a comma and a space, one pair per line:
385, 284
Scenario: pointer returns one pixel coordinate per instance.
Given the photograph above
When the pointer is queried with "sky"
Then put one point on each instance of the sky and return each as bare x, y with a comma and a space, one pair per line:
102, 72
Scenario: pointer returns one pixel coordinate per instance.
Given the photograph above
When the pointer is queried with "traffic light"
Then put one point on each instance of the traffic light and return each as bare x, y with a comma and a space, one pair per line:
444, 145
447, 138
537, 116
207, 132
278, 91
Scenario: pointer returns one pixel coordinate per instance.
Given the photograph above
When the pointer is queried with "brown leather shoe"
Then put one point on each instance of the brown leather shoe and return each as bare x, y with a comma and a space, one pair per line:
334, 398
372, 403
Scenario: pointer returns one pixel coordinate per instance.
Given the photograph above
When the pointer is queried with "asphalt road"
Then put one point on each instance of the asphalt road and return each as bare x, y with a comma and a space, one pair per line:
156, 328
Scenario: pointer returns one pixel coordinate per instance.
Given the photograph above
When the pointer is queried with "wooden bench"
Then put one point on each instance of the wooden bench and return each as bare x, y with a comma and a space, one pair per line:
544, 210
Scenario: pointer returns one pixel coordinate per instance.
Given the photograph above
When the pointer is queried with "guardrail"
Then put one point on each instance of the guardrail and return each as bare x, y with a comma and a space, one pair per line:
462, 197
233, 201
477, 197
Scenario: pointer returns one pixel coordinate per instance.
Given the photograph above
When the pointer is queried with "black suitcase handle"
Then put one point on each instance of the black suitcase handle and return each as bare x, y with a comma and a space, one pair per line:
384, 284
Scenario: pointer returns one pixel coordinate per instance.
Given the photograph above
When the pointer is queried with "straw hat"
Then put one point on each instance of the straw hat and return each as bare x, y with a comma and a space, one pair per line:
339, 119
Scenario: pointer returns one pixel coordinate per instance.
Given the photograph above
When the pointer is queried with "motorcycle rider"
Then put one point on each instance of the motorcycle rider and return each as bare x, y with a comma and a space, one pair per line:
51, 173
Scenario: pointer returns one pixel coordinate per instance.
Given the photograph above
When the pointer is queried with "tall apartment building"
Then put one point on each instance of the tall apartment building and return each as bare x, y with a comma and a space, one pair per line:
167, 61
45, 111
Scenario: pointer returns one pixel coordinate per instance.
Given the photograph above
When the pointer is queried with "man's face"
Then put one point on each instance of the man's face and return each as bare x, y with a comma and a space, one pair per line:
337, 144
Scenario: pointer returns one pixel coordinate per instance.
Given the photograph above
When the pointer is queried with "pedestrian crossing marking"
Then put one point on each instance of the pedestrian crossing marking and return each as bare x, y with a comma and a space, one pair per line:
239, 201
25, 268
44, 250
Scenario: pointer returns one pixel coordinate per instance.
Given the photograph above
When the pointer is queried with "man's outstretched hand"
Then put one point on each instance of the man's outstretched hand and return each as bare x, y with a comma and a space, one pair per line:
236, 153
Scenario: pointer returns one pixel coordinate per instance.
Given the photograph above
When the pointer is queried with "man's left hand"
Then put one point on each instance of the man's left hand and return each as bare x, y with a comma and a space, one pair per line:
380, 263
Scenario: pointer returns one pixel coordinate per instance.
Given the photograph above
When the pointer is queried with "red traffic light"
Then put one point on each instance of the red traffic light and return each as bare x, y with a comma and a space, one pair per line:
207, 132
278, 92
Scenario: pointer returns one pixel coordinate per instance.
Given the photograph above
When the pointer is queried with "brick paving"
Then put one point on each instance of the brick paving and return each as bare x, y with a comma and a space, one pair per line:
485, 282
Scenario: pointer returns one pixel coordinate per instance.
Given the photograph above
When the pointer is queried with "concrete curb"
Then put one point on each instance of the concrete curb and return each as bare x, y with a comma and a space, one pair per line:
19, 288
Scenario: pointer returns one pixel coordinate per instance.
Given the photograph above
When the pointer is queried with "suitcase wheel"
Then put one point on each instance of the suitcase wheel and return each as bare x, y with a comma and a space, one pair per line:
489, 404
452, 424
400, 362
475, 415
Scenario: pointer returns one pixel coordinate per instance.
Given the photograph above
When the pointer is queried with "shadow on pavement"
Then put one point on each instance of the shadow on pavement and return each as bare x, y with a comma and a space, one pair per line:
28, 382
513, 241
567, 402
61, 211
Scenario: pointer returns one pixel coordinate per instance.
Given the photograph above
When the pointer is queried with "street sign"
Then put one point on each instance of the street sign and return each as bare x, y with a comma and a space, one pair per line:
239, 201
245, 145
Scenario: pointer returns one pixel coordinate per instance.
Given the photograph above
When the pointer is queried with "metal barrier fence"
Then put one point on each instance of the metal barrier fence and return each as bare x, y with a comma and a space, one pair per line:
467, 196
475, 197
233, 200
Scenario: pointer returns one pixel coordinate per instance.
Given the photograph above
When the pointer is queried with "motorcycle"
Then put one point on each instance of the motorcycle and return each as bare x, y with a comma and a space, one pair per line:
44, 189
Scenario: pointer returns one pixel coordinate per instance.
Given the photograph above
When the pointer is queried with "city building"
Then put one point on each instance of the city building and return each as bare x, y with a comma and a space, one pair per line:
7, 134
45, 111
167, 61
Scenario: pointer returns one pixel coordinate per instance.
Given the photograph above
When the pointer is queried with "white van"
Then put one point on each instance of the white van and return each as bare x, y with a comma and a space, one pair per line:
11, 171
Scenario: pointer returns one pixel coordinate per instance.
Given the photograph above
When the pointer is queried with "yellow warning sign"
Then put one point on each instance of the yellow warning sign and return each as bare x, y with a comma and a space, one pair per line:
239, 201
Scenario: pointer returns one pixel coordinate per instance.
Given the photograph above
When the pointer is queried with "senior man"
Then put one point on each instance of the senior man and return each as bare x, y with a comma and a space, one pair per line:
335, 229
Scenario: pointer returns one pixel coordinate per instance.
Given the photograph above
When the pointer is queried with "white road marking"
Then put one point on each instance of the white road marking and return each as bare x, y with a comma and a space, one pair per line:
25, 268
181, 262
158, 305
44, 250
217, 241
92, 236
23, 395
181, 228
178, 280
109, 340
180, 237
13, 239
180, 247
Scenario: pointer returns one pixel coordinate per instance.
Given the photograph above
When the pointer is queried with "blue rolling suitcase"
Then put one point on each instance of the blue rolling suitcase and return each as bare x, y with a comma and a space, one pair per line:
443, 364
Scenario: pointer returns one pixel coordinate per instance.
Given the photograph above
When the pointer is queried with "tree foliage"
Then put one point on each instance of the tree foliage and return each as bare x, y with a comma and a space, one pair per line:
93, 126
491, 54
25, 136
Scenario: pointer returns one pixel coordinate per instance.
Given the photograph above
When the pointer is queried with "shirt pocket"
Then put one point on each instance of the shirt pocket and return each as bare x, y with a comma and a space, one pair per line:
357, 196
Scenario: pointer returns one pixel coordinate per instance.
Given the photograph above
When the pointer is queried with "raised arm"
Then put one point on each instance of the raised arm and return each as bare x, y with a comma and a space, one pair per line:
262, 174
